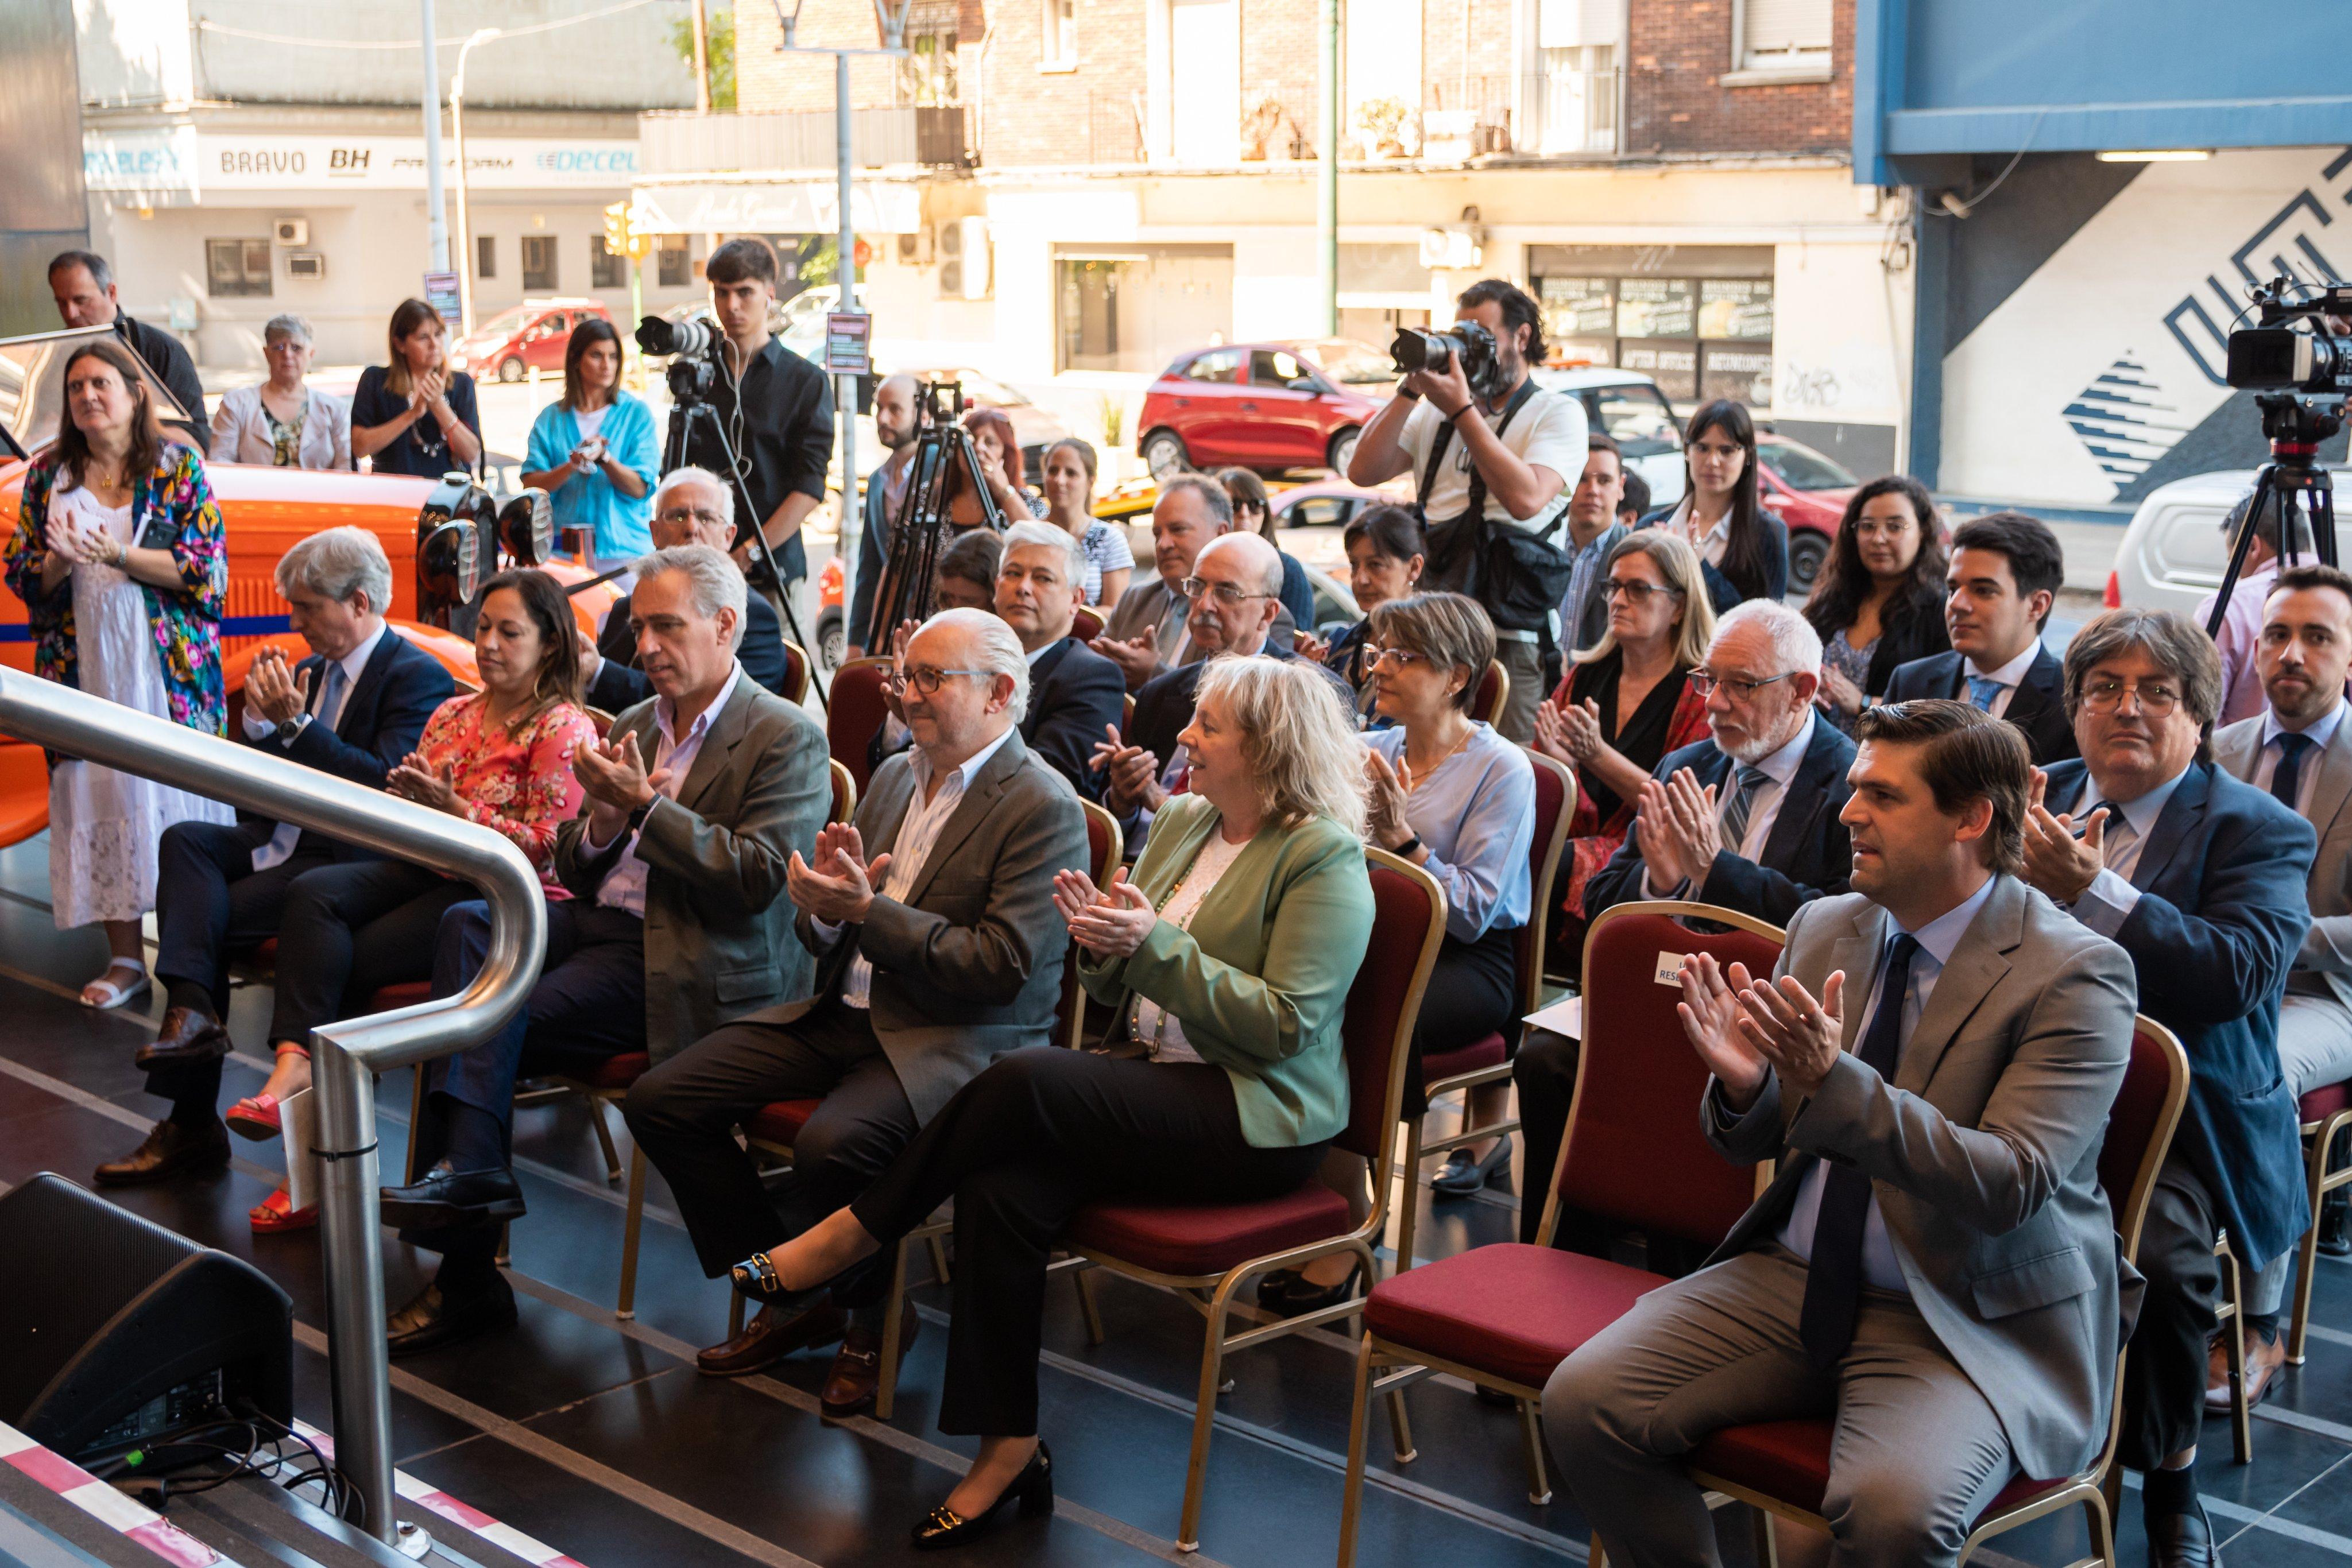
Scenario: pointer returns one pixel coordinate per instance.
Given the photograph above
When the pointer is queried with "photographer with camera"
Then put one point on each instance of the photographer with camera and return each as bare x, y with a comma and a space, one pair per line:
1492, 453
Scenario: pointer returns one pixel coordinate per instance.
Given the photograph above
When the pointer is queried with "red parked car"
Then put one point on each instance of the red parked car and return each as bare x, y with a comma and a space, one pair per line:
533, 333
1809, 491
1267, 406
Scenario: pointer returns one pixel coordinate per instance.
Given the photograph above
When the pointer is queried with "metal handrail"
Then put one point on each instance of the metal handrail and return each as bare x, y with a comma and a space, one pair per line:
346, 1056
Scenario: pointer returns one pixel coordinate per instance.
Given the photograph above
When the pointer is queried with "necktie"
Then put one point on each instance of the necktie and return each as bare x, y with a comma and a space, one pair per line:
2288, 778
1742, 803
1984, 691
1833, 1278
330, 695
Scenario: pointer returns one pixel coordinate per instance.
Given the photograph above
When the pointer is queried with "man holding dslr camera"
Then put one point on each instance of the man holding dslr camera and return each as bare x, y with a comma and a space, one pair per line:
1492, 454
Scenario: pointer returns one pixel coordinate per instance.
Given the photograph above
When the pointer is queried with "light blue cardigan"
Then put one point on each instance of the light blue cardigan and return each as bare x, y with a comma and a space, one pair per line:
588, 501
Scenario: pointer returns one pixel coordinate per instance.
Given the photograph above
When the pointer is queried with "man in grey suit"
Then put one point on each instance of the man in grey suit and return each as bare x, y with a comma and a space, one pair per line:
2298, 750
697, 802
940, 949
1934, 1265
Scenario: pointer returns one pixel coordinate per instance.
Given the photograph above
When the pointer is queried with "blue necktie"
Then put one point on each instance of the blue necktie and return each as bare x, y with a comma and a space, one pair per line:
2288, 780
1834, 1277
1984, 691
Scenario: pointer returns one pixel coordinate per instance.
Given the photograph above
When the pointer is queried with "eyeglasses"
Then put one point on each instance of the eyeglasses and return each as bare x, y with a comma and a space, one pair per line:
1226, 592
1405, 657
1636, 593
926, 680
2106, 696
683, 517
1740, 690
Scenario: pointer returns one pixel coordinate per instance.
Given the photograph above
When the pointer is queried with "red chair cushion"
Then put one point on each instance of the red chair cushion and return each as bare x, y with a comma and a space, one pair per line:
406, 994
1513, 1311
1192, 1239
1488, 1052
2324, 1101
619, 1072
1791, 1460
782, 1122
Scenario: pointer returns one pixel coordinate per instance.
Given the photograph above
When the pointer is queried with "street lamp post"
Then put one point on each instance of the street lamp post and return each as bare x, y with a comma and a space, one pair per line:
465, 247
436, 221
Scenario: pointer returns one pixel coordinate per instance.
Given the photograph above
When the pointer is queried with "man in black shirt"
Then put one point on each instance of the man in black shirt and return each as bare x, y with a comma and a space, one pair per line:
83, 286
775, 407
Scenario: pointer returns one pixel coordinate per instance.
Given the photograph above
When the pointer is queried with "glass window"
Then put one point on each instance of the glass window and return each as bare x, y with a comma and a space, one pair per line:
1318, 512
1577, 307
1637, 418
1735, 308
539, 261
673, 270
1656, 308
606, 270
485, 256
236, 266
1223, 367
1784, 34
1801, 468
927, 75
1060, 29
1273, 368
1673, 366
1742, 374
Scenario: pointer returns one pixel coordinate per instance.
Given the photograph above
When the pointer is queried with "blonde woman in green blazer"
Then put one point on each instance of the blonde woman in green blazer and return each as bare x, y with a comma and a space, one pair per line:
1231, 953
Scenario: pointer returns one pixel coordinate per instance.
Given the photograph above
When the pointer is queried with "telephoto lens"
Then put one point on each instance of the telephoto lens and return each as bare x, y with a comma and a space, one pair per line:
656, 336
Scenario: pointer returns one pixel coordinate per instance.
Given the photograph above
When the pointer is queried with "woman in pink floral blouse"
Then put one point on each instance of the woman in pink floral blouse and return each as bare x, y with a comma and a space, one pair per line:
501, 756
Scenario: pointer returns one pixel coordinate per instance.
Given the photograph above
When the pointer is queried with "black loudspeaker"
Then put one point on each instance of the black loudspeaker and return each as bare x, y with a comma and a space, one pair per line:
114, 1329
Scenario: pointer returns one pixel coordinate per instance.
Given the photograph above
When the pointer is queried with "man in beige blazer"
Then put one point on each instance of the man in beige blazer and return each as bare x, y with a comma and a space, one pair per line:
2299, 750
1934, 1265
939, 949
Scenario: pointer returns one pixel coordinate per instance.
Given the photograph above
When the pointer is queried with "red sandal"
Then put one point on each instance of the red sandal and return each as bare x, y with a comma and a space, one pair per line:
277, 1213
255, 1116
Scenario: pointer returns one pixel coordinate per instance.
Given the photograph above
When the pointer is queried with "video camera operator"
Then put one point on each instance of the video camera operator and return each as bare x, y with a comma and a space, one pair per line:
1494, 488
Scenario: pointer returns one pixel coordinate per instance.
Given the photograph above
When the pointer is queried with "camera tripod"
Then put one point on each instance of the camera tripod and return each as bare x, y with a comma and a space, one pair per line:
2296, 425
916, 534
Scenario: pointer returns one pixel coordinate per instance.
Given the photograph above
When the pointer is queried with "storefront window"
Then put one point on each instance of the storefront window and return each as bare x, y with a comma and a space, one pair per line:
1698, 318
674, 269
539, 261
606, 270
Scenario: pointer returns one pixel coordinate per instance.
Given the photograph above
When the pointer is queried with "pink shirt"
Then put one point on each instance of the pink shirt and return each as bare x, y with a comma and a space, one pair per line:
2239, 639
520, 785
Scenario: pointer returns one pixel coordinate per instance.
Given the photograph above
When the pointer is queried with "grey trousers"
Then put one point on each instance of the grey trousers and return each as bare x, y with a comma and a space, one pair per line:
1918, 1455
1523, 663
2314, 1050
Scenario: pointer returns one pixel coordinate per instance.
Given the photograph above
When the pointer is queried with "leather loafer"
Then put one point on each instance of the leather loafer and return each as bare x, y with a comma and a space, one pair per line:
768, 1337
432, 1320
2181, 1540
448, 1196
1464, 1176
856, 1374
169, 1150
2265, 1359
187, 1036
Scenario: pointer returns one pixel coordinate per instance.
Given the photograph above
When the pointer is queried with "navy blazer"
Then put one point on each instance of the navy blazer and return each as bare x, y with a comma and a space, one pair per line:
620, 685
381, 721
2038, 707
1722, 590
2222, 911
1808, 855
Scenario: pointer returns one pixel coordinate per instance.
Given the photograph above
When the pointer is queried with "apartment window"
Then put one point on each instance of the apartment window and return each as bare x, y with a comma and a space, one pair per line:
539, 261
1784, 35
1060, 32
606, 270
485, 256
236, 266
927, 76
673, 268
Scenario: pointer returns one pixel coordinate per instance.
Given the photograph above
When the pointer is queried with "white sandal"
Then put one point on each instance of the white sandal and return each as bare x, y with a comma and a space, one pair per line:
111, 996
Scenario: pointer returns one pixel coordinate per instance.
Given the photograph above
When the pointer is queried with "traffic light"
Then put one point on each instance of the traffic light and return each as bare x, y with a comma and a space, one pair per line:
617, 229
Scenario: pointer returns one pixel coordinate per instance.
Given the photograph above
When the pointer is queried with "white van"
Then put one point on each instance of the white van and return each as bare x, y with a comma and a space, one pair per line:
2174, 552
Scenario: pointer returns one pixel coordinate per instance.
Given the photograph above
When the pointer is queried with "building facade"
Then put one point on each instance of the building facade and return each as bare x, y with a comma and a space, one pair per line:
1095, 185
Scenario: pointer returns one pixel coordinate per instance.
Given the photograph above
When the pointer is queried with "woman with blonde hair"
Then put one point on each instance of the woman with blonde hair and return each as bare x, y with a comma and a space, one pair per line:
412, 414
1069, 483
1229, 955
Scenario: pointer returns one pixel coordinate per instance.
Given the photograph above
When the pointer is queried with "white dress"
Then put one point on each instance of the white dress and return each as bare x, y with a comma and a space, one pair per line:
104, 826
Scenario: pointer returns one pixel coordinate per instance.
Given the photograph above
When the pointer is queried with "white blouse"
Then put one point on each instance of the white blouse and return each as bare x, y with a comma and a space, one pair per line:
1155, 1026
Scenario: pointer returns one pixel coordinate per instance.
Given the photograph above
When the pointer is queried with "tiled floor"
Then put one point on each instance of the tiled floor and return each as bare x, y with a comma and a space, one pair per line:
597, 1436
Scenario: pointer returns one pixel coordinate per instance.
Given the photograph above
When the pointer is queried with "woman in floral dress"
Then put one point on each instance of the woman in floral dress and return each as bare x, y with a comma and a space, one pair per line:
120, 560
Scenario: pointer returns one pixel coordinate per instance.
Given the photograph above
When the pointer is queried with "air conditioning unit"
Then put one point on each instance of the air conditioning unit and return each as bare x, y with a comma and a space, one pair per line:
293, 231
950, 249
307, 264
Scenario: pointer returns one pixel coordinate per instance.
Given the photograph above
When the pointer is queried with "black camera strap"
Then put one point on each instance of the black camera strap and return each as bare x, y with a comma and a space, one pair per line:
1444, 444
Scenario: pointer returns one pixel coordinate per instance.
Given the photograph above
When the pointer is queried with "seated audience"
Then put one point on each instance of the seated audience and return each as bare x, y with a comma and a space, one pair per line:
677, 922
1237, 940
1146, 634
2202, 880
1634, 504
1386, 555
1933, 1266
690, 507
1069, 487
595, 452
2299, 752
932, 919
1722, 515
965, 577
1233, 611
1749, 819
1074, 692
1593, 531
354, 708
2240, 639
2006, 570
1254, 514
1627, 702
284, 422
1880, 599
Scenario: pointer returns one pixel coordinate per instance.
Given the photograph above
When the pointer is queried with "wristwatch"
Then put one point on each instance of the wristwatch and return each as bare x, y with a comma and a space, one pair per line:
1405, 850
1407, 394
287, 729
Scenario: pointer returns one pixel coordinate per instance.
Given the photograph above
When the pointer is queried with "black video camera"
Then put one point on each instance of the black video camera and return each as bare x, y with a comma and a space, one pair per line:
693, 350
2278, 357
1467, 343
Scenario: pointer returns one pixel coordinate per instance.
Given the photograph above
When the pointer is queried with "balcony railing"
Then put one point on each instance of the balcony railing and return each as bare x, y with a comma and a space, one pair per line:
799, 140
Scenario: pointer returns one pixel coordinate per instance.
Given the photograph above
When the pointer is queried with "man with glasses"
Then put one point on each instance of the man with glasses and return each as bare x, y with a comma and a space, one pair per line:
938, 948
1234, 594
1149, 631
2200, 878
691, 507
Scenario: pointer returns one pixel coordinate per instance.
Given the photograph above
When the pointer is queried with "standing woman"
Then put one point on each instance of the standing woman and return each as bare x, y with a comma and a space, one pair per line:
1254, 514
120, 560
285, 421
1627, 702
1069, 476
594, 451
1386, 555
1743, 544
1236, 942
1879, 601
412, 414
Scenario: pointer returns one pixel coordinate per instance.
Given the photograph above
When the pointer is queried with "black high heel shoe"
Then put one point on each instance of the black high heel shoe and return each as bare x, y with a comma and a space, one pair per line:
1031, 1491
755, 1280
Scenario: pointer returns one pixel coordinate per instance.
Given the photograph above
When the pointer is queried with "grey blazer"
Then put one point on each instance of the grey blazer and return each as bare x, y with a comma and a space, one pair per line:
970, 966
1983, 1152
717, 942
2324, 965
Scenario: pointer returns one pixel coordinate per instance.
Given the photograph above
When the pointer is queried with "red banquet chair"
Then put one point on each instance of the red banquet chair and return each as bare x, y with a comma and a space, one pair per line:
1205, 1252
796, 672
2324, 1113
1494, 694
854, 713
1505, 1315
1085, 623
1783, 1466
1489, 1061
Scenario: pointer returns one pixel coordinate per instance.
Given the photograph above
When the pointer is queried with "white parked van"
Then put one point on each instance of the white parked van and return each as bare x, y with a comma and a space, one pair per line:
2174, 552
